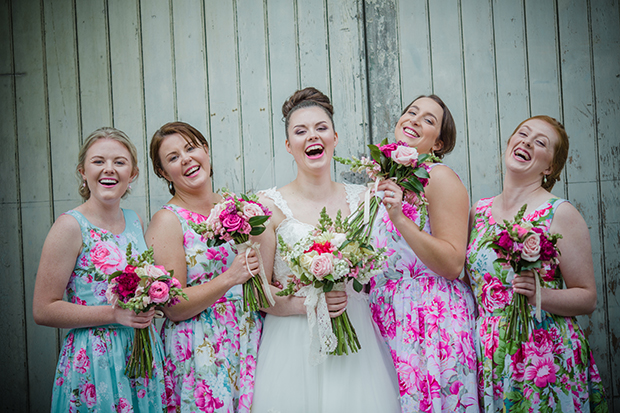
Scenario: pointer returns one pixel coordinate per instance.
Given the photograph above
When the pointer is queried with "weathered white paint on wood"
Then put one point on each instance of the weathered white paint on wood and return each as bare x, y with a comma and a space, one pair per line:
226, 67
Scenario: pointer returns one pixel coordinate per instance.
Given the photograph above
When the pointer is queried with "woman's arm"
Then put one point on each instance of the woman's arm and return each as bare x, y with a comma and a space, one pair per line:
165, 235
60, 251
448, 206
576, 265
284, 306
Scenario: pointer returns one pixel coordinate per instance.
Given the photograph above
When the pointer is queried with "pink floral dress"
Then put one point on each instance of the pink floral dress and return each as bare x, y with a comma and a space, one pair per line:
428, 323
554, 370
90, 376
212, 356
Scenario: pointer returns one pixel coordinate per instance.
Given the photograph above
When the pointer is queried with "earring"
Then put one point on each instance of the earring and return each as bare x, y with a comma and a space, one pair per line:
545, 178
129, 186
84, 184
170, 186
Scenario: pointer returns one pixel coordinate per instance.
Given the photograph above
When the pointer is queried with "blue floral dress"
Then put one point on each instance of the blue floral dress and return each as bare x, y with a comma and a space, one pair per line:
552, 372
90, 376
211, 356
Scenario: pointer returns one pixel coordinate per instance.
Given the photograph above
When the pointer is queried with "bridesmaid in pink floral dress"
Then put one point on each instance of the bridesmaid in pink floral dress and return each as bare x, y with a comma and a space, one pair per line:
210, 342
554, 370
84, 246
424, 311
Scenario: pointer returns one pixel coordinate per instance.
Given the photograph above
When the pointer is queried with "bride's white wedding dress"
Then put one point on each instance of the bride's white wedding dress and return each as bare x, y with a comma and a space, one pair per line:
286, 381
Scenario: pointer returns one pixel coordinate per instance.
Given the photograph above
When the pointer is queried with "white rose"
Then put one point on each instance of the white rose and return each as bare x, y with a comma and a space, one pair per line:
404, 155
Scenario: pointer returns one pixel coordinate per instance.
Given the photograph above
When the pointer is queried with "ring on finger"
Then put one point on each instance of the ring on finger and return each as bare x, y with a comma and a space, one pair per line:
392, 194
389, 206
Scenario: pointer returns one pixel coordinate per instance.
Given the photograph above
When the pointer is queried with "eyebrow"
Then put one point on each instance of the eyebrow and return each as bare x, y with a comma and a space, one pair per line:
429, 113
303, 125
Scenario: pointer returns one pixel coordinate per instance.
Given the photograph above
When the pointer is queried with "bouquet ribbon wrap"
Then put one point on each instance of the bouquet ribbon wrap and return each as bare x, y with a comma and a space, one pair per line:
537, 296
322, 338
247, 247
371, 185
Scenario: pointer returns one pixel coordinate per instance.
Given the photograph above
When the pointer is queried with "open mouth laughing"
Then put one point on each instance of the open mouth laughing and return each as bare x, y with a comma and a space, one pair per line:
315, 151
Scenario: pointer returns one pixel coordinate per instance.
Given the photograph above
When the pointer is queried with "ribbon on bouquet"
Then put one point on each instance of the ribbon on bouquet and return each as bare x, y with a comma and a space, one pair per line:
537, 296
372, 186
322, 338
247, 247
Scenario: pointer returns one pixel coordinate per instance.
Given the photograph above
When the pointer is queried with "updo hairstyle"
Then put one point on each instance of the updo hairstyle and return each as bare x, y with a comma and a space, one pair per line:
306, 98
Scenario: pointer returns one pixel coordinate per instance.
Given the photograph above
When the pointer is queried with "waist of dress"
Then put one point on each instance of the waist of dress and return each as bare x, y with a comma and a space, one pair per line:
104, 327
399, 278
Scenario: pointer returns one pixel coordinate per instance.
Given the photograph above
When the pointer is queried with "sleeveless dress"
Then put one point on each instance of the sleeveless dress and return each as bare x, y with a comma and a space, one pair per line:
428, 322
211, 356
90, 375
555, 370
286, 382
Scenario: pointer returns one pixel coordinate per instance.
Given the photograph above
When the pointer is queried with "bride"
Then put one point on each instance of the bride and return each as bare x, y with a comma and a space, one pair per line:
288, 377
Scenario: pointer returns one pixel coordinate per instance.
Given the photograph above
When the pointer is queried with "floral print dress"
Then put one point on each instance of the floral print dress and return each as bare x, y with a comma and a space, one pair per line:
428, 323
90, 376
211, 356
554, 371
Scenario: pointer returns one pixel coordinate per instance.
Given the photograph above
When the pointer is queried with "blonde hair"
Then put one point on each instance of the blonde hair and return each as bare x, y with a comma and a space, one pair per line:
105, 133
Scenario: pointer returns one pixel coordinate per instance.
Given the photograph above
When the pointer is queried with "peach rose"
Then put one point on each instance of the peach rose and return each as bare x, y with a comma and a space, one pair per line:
322, 265
531, 248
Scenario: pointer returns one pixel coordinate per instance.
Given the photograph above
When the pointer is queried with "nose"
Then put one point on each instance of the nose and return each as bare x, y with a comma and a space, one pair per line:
185, 157
109, 167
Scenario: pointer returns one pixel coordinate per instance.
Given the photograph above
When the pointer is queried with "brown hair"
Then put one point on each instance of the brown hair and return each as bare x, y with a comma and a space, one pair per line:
105, 133
447, 133
306, 98
187, 131
560, 153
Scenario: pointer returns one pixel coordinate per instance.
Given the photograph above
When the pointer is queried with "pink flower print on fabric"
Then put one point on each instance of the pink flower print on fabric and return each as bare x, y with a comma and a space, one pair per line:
81, 362
123, 406
409, 375
385, 318
188, 239
88, 395
182, 345
494, 295
95, 235
204, 398
217, 254
107, 257
536, 215
542, 371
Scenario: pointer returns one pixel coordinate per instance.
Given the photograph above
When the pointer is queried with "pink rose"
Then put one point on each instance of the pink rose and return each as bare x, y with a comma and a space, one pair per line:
322, 265
159, 292
405, 155
123, 406
232, 222
107, 257
88, 395
252, 210
531, 248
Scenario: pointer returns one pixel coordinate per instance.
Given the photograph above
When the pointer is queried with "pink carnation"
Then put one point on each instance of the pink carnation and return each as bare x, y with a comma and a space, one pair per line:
505, 241
387, 149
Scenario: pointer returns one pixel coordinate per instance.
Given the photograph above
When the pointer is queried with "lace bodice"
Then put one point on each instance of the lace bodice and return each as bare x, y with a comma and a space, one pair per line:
292, 230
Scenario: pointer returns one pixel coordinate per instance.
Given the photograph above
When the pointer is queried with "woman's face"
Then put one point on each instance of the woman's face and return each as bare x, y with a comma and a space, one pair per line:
184, 163
531, 148
311, 138
420, 125
107, 169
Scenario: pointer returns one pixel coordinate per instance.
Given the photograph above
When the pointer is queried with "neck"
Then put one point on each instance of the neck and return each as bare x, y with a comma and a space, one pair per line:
313, 187
201, 202
518, 191
103, 214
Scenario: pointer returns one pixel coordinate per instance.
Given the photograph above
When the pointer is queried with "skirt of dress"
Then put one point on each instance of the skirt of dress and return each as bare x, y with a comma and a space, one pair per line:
360, 382
91, 373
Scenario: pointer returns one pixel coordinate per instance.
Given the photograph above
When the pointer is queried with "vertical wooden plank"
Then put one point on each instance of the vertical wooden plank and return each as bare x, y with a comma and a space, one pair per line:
415, 51
480, 83
254, 97
63, 95
313, 44
159, 88
94, 65
222, 59
13, 355
127, 89
385, 42
190, 64
34, 173
283, 71
348, 77
448, 77
511, 64
606, 61
578, 110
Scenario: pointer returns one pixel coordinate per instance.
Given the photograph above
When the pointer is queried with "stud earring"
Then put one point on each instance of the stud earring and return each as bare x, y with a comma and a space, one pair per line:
84, 184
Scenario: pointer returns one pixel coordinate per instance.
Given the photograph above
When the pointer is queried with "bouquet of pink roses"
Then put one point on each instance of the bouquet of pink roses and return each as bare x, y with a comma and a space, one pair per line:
321, 262
139, 287
235, 219
522, 246
397, 161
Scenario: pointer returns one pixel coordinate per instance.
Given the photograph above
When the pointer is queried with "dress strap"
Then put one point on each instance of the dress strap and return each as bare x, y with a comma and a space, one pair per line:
280, 202
353, 195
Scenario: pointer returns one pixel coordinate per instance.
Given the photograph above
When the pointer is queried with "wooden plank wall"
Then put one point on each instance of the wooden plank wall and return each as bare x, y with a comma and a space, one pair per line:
71, 66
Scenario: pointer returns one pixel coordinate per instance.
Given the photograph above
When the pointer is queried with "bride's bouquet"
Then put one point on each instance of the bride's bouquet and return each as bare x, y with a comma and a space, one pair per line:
323, 261
522, 246
139, 287
235, 219
397, 161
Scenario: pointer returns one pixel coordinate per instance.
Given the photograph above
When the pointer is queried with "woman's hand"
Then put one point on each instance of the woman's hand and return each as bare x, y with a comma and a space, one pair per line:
525, 283
129, 318
392, 198
336, 302
238, 272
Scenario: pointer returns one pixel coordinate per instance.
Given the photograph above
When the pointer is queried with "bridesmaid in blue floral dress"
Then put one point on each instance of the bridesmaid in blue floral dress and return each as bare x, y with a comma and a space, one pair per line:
211, 343
83, 247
